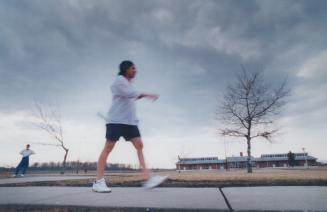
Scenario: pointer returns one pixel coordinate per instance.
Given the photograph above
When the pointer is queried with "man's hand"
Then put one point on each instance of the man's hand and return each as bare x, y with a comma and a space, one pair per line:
154, 97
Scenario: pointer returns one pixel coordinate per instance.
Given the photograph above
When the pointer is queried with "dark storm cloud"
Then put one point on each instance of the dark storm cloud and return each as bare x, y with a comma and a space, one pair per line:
185, 50
71, 48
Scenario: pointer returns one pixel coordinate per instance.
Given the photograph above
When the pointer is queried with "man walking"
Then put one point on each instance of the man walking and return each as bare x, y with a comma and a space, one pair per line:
122, 122
23, 165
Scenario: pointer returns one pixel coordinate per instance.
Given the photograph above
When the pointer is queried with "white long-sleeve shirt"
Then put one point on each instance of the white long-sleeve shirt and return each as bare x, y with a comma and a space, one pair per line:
123, 108
26, 152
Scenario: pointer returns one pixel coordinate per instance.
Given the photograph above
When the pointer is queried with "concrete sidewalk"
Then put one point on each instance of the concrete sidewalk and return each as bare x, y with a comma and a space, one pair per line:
164, 198
283, 198
278, 198
28, 179
173, 199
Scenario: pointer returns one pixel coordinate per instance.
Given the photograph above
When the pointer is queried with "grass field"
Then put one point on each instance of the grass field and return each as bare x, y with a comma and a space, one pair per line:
296, 176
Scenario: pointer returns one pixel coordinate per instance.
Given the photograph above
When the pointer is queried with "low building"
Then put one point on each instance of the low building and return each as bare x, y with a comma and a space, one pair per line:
199, 163
239, 162
281, 160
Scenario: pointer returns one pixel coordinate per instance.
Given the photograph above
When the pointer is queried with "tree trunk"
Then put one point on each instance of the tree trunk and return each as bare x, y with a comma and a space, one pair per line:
64, 162
249, 162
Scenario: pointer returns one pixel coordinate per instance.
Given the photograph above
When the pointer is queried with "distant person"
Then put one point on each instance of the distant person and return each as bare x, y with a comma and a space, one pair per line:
122, 122
23, 165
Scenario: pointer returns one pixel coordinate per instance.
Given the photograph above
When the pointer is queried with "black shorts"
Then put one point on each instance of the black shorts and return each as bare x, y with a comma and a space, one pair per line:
115, 131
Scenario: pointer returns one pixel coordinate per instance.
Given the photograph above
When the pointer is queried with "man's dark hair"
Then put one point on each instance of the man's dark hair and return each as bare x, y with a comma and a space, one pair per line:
124, 66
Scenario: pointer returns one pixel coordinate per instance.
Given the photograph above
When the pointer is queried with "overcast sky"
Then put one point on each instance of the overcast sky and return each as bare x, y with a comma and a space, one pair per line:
186, 51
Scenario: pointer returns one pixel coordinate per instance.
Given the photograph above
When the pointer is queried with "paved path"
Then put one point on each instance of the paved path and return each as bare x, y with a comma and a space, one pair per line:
171, 198
284, 198
290, 198
28, 179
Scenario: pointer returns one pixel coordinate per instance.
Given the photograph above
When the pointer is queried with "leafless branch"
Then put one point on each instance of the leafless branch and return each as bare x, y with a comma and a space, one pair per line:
51, 123
248, 105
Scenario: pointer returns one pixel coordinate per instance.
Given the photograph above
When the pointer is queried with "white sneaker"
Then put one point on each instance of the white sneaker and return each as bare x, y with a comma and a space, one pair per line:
100, 186
21, 175
154, 181
14, 175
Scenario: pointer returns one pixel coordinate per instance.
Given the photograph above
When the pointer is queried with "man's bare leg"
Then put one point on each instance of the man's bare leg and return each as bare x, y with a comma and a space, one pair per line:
101, 165
138, 144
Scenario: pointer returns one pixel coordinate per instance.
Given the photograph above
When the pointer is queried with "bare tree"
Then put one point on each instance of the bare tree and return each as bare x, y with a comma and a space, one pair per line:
249, 108
51, 123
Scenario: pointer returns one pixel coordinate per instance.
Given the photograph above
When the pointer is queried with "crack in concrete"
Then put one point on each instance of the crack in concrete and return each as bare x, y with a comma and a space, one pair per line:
226, 200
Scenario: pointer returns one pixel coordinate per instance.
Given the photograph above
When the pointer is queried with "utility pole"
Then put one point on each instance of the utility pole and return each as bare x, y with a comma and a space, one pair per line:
306, 158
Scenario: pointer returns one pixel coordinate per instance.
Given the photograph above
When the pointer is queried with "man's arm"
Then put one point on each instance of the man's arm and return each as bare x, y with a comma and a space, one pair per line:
121, 89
